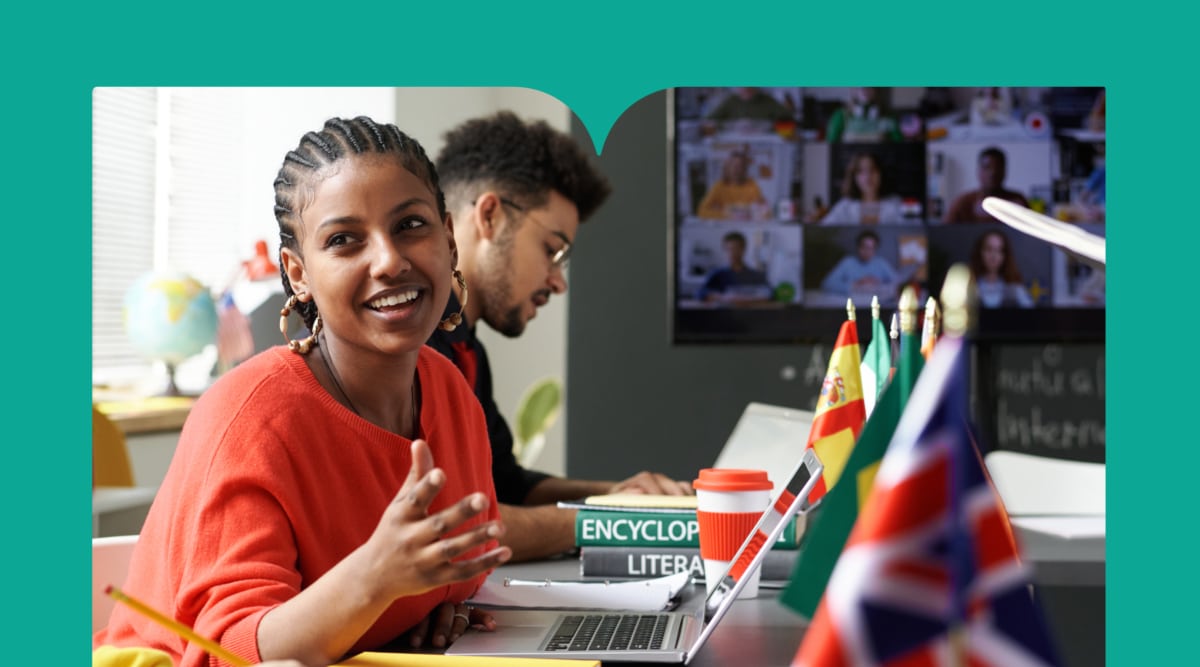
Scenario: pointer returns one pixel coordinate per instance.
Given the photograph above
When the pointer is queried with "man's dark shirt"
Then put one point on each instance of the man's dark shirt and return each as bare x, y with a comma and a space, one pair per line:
513, 482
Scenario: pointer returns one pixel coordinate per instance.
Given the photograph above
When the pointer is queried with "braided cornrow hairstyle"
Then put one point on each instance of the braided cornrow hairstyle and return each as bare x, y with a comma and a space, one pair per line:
304, 167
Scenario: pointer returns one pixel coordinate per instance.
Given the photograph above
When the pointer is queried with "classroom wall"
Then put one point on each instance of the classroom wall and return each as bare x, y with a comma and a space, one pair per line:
517, 363
635, 401
273, 120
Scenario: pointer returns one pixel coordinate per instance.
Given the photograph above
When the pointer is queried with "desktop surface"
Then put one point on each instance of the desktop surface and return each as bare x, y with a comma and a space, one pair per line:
1068, 576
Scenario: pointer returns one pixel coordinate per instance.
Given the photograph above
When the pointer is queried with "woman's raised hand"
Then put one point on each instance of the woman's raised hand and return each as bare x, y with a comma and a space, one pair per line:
409, 550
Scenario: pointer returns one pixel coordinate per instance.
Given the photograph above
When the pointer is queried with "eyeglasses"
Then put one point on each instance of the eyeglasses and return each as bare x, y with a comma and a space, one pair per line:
558, 258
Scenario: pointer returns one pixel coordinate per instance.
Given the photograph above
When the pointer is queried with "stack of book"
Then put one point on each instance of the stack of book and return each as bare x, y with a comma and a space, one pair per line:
642, 536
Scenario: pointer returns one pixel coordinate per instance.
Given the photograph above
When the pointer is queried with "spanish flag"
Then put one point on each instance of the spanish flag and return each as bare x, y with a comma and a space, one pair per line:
840, 411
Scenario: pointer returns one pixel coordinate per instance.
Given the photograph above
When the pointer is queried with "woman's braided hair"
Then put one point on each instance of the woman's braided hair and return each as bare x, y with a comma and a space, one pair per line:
303, 168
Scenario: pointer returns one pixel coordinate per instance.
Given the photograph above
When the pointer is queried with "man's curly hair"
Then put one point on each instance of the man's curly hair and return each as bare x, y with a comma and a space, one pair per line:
523, 161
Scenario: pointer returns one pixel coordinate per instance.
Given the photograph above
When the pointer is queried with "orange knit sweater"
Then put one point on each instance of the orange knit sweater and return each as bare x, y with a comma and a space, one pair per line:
272, 484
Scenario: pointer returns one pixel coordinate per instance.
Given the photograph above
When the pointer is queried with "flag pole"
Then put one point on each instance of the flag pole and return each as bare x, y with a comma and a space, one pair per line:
908, 310
959, 302
894, 334
929, 330
958, 311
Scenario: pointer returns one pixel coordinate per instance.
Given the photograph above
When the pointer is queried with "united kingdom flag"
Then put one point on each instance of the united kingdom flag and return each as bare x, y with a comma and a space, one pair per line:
930, 575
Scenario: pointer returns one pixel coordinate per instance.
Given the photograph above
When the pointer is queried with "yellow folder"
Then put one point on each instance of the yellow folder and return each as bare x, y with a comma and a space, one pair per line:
376, 659
642, 500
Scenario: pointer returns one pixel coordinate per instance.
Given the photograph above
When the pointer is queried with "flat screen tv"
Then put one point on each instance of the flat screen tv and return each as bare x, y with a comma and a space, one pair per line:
788, 201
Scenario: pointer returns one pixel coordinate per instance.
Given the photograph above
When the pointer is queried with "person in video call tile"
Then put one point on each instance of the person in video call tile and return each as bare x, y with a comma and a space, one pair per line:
750, 103
862, 119
992, 169
996, 275
862, 271
737, 283
862, 200
735, 195
518, 192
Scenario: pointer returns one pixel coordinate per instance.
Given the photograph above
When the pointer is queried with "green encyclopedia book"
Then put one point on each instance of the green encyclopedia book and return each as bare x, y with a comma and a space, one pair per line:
655, 529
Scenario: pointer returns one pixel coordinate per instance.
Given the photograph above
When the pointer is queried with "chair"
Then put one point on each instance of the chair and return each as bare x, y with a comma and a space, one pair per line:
110, 456
1040, 485
110, 566
118, 505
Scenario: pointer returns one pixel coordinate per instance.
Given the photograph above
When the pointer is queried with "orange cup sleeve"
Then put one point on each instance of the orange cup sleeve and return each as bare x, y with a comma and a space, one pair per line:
721, 533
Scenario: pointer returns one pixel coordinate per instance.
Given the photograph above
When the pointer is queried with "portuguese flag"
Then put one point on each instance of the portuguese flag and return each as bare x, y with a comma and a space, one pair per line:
840, 411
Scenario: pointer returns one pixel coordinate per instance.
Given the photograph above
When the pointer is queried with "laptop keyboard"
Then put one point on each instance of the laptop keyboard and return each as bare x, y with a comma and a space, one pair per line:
609, 632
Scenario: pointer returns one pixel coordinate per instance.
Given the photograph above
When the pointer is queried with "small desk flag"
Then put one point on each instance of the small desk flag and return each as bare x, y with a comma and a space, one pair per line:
235, 342
839, 414
877, 362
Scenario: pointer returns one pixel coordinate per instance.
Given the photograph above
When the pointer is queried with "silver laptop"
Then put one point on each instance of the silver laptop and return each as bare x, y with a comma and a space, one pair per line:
766, 437
671, 637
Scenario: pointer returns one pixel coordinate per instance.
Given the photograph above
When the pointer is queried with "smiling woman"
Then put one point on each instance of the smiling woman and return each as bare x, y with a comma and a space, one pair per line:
316, 460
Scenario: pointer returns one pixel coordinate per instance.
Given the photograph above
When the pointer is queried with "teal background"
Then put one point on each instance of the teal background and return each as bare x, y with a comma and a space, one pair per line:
599, 60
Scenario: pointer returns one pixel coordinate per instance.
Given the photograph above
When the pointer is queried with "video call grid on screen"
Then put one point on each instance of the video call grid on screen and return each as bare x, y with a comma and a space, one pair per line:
790, 200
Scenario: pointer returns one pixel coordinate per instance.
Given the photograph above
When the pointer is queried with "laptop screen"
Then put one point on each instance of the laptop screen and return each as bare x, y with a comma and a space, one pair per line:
766, 437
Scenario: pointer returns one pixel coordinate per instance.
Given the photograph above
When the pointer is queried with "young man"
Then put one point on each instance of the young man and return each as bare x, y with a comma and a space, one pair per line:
517, 193
991, 171
737, 282
863, 271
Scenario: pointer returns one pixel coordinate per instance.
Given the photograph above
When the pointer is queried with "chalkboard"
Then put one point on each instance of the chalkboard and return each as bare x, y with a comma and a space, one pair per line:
1042, 399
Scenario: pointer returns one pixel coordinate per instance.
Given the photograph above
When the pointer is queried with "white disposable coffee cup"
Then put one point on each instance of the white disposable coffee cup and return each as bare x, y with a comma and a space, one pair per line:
729, 503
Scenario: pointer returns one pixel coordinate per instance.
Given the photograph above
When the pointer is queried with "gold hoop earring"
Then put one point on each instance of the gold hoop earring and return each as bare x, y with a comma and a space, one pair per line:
303, 345
452, 321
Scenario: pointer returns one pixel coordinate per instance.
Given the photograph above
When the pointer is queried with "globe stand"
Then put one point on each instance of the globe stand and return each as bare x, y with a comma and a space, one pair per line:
172, 388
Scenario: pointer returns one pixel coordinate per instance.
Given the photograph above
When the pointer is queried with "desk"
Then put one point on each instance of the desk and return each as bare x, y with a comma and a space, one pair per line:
120, 510
151, 428
1062, 561
1068, 577
146, 415
758, 631
761, 631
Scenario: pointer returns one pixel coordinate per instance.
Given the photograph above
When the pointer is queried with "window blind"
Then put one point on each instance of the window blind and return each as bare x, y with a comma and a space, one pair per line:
182, 146
123, 166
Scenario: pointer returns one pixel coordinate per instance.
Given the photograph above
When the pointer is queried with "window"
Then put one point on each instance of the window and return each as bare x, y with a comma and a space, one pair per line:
181, 179
165, 195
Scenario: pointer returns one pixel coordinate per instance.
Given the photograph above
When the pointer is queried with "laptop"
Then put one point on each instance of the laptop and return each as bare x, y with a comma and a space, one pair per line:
766, 438
667, 636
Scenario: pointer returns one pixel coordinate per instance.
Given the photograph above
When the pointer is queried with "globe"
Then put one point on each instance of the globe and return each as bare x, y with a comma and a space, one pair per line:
169, 316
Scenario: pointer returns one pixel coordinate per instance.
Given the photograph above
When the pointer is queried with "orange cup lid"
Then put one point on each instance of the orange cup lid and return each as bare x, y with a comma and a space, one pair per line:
732, 479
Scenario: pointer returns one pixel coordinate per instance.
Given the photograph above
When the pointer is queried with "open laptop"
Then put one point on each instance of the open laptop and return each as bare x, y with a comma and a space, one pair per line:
766, 437
671, 637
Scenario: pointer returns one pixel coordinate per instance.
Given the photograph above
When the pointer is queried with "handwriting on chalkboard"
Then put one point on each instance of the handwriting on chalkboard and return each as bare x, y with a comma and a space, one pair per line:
1050, 399
1043, 399
818, 364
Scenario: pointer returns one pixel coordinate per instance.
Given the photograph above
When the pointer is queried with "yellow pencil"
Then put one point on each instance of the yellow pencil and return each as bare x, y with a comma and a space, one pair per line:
214, 649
